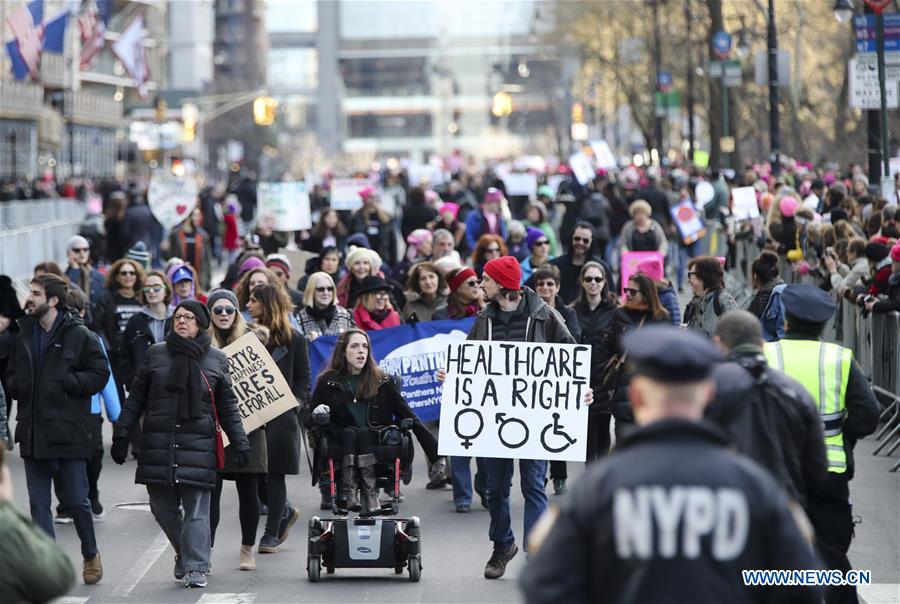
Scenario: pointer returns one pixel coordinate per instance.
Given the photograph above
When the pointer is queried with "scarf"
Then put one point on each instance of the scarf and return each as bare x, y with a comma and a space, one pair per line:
184, 376
322, 314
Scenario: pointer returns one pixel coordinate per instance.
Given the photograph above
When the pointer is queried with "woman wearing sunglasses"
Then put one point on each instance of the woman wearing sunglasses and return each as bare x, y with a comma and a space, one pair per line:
488, 247
227, 326
149, 325
121, 301
466, 297
321, 315
539, 246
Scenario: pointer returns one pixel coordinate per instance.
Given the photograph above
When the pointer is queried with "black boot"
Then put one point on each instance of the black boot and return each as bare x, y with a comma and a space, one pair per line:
367, 486
348, 483
325, 489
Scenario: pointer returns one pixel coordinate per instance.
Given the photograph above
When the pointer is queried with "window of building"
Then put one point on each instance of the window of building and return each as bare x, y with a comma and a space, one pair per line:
387, 125
385, 76
292, 16
293, 68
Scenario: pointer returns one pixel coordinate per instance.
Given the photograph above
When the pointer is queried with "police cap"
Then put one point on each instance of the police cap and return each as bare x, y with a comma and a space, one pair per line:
807, 303
669, 354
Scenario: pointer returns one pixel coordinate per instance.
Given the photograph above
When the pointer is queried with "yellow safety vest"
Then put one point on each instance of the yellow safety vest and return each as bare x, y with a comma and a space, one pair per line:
824, 369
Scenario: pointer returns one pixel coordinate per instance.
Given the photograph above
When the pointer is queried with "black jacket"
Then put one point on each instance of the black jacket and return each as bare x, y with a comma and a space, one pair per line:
539, 323
54, 412
570, 317
569, 273
283, 432
598, 330
771, 418
381, 236
176, 451
136, 341
387, 408
608, 542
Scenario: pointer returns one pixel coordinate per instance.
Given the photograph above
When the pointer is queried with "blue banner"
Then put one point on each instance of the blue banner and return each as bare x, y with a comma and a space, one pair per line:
412, 352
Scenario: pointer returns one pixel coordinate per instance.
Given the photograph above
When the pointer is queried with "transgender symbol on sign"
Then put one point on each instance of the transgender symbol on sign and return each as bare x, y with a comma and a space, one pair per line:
557, 430
467, 438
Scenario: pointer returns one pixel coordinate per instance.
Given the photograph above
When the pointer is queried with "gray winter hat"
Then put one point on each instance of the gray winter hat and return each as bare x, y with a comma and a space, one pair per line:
219, 294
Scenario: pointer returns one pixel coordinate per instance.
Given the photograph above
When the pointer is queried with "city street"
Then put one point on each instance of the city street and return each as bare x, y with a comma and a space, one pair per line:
138, 562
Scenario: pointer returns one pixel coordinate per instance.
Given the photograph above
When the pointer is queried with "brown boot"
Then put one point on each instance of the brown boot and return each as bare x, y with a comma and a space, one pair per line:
92, 570
367, 485
348, 483
248, 562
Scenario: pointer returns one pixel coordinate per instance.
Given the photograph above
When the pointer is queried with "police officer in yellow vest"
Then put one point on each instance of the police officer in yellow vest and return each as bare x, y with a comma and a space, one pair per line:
848, 409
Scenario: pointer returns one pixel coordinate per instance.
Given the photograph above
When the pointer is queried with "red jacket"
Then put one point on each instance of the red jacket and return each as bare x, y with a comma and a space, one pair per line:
365, 321
232, 240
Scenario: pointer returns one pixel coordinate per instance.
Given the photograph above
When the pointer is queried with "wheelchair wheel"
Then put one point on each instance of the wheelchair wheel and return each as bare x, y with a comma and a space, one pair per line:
314, 569
415, 569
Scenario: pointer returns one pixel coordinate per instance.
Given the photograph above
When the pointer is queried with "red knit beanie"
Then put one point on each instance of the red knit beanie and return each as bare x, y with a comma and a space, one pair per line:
506, 271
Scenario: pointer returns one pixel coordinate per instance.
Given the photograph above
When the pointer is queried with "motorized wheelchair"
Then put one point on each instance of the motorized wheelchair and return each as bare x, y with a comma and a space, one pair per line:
368, 540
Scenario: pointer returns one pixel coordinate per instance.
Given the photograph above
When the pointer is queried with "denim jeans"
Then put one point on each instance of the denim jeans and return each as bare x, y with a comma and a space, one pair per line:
461, 474
72, 478
499, 484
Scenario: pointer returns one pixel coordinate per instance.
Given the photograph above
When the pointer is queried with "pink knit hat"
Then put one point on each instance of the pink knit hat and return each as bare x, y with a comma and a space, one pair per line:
493, 195
452, 208
651, 267
367, 191
788, 206
895, 252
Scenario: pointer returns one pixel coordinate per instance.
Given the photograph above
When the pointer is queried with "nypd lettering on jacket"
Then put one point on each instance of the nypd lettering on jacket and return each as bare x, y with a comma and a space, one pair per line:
655, 521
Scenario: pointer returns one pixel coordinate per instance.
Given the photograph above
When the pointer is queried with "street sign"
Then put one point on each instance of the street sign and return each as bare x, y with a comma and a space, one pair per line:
730, 71
865, 92
721, 43
871, 46
664, 81
890, 20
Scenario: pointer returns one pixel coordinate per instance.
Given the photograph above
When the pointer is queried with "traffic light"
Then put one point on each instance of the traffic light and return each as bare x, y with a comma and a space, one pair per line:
577, 113
189, 114
502, 105
264, 110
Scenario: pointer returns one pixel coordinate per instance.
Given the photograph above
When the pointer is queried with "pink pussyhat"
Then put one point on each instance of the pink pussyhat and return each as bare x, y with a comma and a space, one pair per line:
788, 206
651, 267
721, 260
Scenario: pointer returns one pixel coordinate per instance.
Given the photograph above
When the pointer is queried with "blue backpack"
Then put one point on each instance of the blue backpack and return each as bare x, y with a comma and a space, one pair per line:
773, 316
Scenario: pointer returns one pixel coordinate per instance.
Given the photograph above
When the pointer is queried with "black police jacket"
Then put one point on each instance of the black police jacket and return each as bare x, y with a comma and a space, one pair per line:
54, 412
671, 516
772, 419
173, 450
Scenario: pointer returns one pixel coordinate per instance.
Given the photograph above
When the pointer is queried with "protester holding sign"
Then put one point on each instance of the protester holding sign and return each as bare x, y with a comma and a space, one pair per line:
320, 314
359, 399
181, 392
226, 327
270, 307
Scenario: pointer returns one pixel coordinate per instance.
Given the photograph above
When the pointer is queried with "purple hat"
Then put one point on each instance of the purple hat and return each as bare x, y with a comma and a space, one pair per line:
249, 264
532, 235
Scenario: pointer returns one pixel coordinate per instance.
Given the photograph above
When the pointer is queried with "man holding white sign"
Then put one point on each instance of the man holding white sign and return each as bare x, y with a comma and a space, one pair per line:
515, 399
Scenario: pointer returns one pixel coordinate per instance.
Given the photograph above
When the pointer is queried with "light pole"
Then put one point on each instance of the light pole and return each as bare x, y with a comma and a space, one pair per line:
690, 81
657, 67
774, 131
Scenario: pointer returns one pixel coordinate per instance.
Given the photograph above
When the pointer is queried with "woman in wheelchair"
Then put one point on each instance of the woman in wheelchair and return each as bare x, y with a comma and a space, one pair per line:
355, 399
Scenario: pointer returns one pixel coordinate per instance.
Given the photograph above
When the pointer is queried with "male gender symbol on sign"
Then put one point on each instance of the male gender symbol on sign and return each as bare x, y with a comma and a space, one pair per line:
467, 438
558, 431
501, 419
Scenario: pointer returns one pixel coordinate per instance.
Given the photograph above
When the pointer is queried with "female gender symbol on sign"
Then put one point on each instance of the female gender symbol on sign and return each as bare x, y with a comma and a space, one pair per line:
467, 438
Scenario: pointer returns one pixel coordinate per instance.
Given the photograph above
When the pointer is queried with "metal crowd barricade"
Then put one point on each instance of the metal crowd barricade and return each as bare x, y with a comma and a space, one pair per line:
33, 231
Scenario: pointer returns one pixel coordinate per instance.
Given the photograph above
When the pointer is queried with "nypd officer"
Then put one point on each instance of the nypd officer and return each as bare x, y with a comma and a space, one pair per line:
673, 515
848, 409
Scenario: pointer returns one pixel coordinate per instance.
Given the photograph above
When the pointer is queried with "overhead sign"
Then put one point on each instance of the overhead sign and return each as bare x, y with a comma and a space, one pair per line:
744, 204
283, 206
721, 44
865, 91
262, 392
345, 193
515, 400
171, 198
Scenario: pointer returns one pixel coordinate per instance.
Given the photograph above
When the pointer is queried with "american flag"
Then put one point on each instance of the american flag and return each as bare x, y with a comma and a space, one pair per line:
28, 36
92, 24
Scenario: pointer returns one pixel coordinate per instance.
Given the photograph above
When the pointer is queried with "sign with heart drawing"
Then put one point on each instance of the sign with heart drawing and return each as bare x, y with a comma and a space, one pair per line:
171, 198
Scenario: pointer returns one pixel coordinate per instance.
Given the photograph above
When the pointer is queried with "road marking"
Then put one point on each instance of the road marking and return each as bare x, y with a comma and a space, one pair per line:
227, 598
140, 568
69, 600
880, 593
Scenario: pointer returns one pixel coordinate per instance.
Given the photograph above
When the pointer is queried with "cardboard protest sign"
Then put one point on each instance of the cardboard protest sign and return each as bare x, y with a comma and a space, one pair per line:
581, 167
523, 184
171, 198
603, 155
630, 260
345, 193
744, 205
690, 227
283, 206
262, 392
515, 400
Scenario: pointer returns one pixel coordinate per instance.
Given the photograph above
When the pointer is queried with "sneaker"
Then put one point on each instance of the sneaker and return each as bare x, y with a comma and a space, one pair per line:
179, 569
559, 486
195, 579
291, 516
496, 566
92, 570
63, 518
97, 509
463, 508
268, 544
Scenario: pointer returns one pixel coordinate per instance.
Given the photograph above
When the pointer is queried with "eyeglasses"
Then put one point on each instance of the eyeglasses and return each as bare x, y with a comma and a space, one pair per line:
632, 291
184, 319
593, 279
547, 284
692, 274
153, 288
581, 239
472, 283
127, 273
382, 294
224, 310
322, 290
79, 250
542, 242
492, 250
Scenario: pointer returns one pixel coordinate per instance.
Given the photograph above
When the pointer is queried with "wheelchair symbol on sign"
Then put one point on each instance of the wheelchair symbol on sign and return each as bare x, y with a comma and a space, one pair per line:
501, 419
467, 438
558, 431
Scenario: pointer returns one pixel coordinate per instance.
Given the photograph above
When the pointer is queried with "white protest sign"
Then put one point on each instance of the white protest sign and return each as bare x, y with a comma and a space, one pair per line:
554, 181
523, 184
581, 167
424, 174
171, 198
515, 400
603, 155
262, 392
283, 206
345, 193
744, 205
